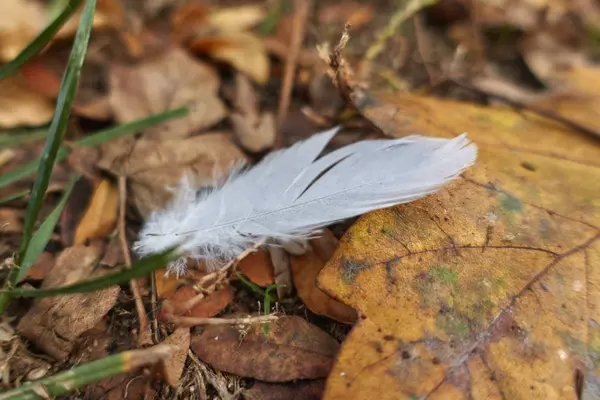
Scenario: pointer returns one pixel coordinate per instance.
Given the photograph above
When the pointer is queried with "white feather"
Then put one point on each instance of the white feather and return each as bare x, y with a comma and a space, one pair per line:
291, 194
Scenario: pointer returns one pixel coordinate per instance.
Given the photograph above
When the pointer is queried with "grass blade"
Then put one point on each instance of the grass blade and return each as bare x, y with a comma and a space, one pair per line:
13, 197
77, 377
23, 171
140, 268
8, 140
58, 125
101, 137
42, 236
40, 41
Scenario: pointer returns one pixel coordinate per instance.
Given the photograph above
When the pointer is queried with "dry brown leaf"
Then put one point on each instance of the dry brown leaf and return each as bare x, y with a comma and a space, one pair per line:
10, 220
208, 307
20, 22
354, 13
305, 269
255, 135
172, 80
293, 349
108, 14
300, 390
258, 268
101, 214
489, 288
166, 284
180, 341
20, 106
152, 167
53, 324
40, 268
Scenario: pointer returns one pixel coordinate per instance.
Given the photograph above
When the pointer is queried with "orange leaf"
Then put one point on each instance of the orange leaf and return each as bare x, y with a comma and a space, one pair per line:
305, 269
101, 214
258, 268
166, 285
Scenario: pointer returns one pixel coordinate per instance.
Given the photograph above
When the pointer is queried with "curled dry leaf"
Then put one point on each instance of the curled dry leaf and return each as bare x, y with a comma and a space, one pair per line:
101, 214
172, 80
21, 106
294, 349
153, 167
488, 288
243, 50
208, 307
258, 268
180, 342
305, 269
53, 324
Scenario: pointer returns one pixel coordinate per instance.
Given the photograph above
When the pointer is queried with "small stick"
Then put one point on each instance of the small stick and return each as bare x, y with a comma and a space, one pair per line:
194, 321
143, 337
302, 9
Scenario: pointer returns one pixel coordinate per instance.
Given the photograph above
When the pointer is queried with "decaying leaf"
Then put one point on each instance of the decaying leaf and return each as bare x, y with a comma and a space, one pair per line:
282, 271
258, 268
101, 214
180, 342
53, 324
21, 106
153, 167
172, 80
10, 220
293, 349
305, 269
299, 390
38, 270
488, 289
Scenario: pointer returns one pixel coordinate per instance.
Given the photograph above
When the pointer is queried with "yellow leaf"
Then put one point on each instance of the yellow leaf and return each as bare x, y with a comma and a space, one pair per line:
489, 288
20, 22
21, 106
237, 19
100, 217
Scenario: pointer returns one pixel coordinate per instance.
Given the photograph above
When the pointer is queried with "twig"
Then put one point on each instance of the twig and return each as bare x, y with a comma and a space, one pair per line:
194, 321
534, 109
143, 337
301, 9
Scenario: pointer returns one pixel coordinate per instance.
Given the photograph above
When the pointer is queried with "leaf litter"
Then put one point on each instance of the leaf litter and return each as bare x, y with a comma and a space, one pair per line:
451, 290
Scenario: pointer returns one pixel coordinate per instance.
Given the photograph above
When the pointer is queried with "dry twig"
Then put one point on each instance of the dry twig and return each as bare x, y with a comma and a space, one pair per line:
302, 10
194, 321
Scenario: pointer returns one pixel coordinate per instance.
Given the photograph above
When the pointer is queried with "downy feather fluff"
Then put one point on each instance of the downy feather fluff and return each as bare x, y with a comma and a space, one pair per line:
291, 193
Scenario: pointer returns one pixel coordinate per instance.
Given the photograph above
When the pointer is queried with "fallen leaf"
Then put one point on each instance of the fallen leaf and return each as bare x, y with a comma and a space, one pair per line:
294, 349
40, 267
245, 51
10, 220
299, 390
305, 269
83, 160
487, 288
20, 22
236, 19
153, 167
166, 284
20, 106
258, 268
53, 324
101, 214
254, 135
208, 307
353, 13
180, 341
108, 14
172, 80
113, 253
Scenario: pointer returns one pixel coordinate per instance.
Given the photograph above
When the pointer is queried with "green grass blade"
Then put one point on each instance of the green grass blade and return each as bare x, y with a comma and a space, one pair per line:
42, 236
101, 137
8, 140
59, 123
95, 139
40, 41
23, 171
13, 197
141, 268
79, 376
